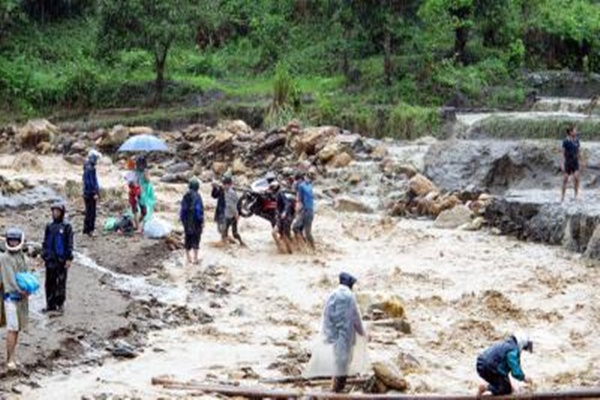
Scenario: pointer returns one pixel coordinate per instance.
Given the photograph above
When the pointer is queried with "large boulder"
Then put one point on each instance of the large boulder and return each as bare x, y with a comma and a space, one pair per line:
179, 168
140, 130
419, 185
237, 127
238, 167
115, 138
390, 376
350, 204
219, 168
454, 218
331, 150
341, 160
312, 139
36, 131
219, 141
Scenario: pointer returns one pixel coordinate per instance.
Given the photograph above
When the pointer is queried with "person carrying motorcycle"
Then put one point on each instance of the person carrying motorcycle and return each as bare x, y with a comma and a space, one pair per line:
282, 231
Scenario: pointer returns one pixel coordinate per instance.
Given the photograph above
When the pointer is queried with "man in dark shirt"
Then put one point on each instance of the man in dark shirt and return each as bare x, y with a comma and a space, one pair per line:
571, 161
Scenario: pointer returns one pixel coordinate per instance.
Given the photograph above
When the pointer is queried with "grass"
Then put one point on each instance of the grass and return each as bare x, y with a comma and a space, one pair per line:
547, 128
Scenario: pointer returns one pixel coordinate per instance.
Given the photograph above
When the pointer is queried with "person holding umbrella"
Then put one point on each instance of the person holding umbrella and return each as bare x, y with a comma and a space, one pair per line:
144, 144
91, 192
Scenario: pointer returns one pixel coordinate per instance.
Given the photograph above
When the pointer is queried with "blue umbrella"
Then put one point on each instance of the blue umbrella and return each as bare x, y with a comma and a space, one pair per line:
144, 143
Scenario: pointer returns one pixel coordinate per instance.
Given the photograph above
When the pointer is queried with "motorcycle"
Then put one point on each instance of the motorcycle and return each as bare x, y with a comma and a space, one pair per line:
260, 202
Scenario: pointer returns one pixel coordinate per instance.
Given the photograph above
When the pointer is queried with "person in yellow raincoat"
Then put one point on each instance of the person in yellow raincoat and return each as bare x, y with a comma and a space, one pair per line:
15, 305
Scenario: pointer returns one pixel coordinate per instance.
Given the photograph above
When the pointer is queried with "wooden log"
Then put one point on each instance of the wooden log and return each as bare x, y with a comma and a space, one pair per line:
310, 381
258, 392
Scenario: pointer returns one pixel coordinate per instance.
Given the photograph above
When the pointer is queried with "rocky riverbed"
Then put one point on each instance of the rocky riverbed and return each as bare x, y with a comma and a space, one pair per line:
409, 218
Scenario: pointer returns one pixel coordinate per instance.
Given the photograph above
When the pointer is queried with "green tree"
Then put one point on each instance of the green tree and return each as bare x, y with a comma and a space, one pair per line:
151, 25
9, 11
383, 21
442, 16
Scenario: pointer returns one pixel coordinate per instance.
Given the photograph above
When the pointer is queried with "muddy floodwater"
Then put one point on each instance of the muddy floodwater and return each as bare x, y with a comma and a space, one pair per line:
462, 291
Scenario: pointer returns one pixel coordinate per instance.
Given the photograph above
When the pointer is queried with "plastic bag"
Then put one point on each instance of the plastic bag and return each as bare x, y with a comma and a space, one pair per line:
323, 364
111, 224
27, 282
157, 228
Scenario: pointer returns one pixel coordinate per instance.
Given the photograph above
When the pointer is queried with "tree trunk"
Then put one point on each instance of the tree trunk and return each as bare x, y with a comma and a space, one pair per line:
461, 33
160, 61
388, 67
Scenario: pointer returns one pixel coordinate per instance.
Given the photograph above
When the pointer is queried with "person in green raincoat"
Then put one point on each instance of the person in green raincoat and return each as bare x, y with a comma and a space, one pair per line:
14, 309
147, 197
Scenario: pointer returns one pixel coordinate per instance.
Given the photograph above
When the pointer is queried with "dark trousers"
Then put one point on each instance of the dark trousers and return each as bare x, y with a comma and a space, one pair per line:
230, 223
89, 224
498, 384
56, 285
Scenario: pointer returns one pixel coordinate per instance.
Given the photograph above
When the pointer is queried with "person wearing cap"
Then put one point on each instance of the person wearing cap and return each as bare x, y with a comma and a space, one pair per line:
282, 232
227, 213
91, 192
305, 212
337, 352
499, 361
191, 216
14, 308
57, 254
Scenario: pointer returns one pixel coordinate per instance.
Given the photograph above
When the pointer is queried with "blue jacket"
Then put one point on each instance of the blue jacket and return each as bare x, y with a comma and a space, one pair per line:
90, 180
58, 242
191, 213
504, 358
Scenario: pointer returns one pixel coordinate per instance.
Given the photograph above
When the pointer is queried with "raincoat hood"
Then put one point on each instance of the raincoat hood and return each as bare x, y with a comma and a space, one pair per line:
347, 280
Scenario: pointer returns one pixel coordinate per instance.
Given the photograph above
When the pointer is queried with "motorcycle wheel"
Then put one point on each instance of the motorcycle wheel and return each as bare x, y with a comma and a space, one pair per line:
245, 206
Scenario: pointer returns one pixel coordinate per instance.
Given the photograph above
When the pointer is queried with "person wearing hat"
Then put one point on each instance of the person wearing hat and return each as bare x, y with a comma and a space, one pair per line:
305, 213
57, 254
227, 214
282, 232
14, 308
499, 361
191, 216
341, 349
91, 192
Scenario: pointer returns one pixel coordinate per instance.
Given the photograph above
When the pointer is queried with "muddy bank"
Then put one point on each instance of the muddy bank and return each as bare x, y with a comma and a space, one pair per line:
106, 314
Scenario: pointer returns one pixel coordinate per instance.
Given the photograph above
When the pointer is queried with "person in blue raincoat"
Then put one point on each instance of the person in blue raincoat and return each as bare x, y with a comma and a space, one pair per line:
340, 350
191, 216
499, 361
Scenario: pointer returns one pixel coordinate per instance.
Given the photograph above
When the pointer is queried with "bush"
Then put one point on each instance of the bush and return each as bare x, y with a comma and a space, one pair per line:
547, 128
408, 122
81, 86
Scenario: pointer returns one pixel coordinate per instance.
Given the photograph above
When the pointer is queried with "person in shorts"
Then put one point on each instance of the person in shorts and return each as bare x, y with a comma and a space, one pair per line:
15, 304
282, 232
571, 161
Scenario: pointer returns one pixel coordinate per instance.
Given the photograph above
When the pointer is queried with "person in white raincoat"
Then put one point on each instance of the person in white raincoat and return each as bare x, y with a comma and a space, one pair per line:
340, 350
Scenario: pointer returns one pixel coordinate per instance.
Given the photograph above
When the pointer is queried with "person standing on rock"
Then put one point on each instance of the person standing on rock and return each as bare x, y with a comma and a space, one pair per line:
501, 360
192, 218
341, 348
91, 192
571, 161
57, 254
15, 305
305, 212
147, 199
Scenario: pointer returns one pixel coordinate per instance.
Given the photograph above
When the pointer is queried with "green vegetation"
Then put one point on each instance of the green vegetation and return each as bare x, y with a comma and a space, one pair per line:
381, 67
547, 128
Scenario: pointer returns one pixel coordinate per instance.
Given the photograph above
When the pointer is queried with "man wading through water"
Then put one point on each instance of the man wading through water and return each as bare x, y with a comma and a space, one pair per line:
57, 255
571, 161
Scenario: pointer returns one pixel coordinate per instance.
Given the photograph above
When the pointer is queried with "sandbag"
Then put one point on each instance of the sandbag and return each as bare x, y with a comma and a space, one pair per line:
157, 228
27, 282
